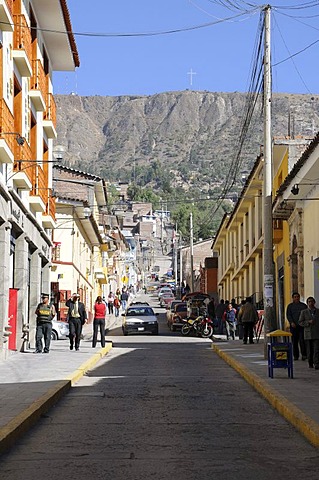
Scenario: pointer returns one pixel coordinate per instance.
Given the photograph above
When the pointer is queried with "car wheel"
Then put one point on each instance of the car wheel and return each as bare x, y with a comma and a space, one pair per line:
54, 335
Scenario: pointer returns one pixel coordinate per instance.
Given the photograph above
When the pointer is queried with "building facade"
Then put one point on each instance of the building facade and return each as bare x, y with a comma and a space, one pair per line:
29, 53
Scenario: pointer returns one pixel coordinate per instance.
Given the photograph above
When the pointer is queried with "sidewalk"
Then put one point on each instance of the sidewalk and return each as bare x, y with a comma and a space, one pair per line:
295, 399
32, 384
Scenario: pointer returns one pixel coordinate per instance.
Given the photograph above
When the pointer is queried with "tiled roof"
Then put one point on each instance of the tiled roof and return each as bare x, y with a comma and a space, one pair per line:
67, 20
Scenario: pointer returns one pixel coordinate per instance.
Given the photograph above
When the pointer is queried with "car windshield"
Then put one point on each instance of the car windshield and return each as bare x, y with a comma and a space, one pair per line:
181, 308
140, 312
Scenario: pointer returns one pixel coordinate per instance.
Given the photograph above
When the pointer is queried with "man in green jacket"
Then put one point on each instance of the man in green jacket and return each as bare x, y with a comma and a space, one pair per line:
45, 313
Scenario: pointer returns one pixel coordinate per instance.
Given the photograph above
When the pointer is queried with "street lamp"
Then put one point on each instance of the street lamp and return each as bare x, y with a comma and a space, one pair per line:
20, 140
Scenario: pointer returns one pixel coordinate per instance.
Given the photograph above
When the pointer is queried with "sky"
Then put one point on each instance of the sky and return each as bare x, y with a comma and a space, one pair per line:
217, 57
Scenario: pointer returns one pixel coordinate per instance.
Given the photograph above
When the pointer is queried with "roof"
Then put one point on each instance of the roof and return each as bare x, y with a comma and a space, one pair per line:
298, 165
53, 19
78, 185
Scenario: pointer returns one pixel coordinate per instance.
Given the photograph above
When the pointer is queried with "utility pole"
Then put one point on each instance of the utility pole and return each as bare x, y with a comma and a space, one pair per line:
180, 263
191, 247
267, 193
175, 254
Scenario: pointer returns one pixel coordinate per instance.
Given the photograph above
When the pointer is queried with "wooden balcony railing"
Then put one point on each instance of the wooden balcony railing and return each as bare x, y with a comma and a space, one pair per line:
38, 79
40, 184
22, 36
50, 113
26, 164
10, 6
50, 210
7, 125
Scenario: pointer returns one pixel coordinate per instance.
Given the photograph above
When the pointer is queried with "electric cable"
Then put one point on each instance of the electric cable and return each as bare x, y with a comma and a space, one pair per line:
292, 59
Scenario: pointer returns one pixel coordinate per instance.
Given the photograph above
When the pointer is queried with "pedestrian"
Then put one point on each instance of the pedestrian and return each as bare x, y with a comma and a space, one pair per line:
219, 310
293, 314
248, 316
309, 321
229, 319
99, 321
76, 317
239, 322
110, 303
118, 292
45, 313
117, 305
211, 312
124, 299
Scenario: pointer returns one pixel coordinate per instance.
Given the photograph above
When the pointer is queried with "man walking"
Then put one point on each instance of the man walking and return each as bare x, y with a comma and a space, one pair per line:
309, 320
293, 313
45, 313
248, 316
219, 311
124, 298
77, 318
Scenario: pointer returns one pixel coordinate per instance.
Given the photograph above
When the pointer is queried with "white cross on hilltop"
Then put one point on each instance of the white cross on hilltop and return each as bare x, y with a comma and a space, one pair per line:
191, 73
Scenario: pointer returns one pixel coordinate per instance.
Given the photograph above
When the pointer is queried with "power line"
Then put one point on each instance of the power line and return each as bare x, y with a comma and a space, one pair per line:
291, 57
137, 34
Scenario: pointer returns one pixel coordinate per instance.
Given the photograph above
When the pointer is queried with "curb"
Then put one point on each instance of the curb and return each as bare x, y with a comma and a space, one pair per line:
22, 422
304, 424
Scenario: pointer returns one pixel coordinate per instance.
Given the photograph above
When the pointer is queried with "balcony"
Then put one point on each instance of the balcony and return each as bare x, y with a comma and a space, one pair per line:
39, 192
278, 233
49, 117
6, 10
22, 48
48, 218
38, 88
22, 170
8, 140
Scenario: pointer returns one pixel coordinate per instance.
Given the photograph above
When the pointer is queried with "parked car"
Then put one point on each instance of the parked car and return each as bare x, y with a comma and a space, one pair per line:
178, 315
170, 310
60, 330
163, 290
140, 318
166, 299
152, 287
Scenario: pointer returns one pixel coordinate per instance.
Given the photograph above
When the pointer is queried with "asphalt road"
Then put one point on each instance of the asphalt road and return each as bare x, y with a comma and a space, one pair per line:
163, 407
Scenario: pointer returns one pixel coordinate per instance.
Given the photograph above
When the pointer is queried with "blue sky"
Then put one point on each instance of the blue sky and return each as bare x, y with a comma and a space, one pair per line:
220, 55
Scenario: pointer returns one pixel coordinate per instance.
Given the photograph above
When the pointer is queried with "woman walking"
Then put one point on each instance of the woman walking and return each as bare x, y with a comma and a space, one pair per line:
99, 321
110, 303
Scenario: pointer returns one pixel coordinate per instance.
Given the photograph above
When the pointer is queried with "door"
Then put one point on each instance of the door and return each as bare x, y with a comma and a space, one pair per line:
12, 315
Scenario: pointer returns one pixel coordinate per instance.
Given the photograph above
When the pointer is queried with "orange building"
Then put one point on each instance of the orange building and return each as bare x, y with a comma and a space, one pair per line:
35, 40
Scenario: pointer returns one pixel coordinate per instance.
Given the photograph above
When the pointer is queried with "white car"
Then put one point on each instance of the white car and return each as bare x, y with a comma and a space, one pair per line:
162, 291
60, 330
140, 318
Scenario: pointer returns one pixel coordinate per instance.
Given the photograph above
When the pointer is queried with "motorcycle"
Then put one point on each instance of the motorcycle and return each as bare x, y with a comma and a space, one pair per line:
206, 328
190, 326
202, 326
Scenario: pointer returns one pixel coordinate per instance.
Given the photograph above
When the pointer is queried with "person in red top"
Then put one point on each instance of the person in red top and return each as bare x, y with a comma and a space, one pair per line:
99, 321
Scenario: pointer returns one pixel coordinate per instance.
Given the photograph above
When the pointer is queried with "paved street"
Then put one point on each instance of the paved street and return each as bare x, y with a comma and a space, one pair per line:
161, 407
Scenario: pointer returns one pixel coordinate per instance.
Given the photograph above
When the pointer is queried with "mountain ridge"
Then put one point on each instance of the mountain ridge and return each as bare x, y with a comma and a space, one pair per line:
189, 138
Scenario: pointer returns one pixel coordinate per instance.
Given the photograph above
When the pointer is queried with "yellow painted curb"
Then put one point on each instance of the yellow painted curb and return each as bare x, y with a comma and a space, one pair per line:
21, 423
86, 366
306, 426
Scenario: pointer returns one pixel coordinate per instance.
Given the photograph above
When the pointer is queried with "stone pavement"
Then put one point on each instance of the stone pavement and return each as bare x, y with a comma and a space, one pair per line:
295, 399
31, 384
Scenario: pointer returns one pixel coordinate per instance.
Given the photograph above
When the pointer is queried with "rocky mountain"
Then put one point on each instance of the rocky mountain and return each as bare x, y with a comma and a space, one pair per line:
188, 137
